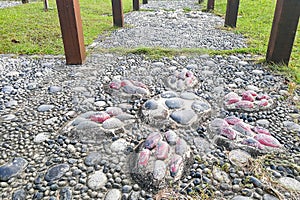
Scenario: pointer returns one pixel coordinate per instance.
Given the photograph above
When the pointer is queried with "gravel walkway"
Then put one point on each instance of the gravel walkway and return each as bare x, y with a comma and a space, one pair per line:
131, 127
5, 4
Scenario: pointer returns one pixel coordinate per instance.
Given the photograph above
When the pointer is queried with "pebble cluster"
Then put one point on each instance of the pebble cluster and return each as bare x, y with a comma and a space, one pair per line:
66, 132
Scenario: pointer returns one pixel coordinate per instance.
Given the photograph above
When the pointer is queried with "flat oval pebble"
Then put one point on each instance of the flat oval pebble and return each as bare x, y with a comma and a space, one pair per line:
112, 123
181, 147
159, 170
171, 137
93, 158
168, 94
13, 168
239, 157
44, 108
100, 117
55, 89
267, 140
118, 145
19, 195
41, 137
290, 183
113, 194
113, 111
228, 132
188, 95
56, 172
200, 106
183, 117
232, 120
174, 103
150, 105
243, 128
97, 180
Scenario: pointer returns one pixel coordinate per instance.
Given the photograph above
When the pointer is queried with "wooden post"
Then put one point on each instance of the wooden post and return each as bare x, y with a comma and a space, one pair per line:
136, 4
25, 1
46, 5
210, 5
232, 13
71, 29
117, 10
284, 28
145, 1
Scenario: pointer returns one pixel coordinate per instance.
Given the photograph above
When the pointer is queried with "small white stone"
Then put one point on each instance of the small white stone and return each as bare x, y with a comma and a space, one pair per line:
97, 180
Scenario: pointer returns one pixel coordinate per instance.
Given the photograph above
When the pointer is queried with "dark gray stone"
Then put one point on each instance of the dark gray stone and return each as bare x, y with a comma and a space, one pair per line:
19, 195
65, 194
12, 168
93, 158
174, 103
56, 172
183, 117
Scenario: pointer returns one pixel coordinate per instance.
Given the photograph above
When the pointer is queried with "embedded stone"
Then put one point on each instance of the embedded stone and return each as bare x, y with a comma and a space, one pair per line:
168, 94
113, 111
246, 105
263, 103
176, 164
112, 123
159, 170
243, 128
290, 183
54, 89
253, 143
144, 157
56, 172
261, 130
44, 108
231, 95
171, 137
92, 159
152, 140
150, 105
65, 194
19, 195
232, 120
97, 180
228, 132
100, 117
200, 106
41, 137
162, 150
239, 157
267, 140
13, 168
174, 103
181, 147
118, 145
188, 95
232, 100
183, 117
113, 194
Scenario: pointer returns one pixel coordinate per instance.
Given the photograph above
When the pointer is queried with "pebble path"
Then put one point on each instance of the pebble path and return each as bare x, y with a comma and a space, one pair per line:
192, 127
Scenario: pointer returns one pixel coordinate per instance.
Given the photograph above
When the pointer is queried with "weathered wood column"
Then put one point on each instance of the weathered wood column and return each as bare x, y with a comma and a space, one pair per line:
46, 5
284, 28
117, 10
71, 29
232, 13
210, 5
136, 4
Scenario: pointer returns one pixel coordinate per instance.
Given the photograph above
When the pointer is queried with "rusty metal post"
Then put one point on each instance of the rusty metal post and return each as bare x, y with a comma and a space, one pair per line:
136, 4
71, 29
232, 13
117, 10
284, 28
145, 1
210, 5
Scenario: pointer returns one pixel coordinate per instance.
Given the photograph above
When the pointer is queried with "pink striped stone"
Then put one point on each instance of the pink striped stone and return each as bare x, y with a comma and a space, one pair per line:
100, 117
243, 128
261, 130
175, 164
245, 104
247, 96
232, 120
144, 157
228, 132
263, 103
162, 150
152, 140
252, 142
267, 140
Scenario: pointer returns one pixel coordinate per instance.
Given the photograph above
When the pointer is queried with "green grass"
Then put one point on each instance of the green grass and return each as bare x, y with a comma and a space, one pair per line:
255, 22
27, 29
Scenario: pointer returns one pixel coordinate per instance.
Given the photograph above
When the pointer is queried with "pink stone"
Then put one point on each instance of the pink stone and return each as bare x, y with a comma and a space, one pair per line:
232, 120
232, 100
175, 165
115, 85
139, 84
126, 82
243, 128
171, 137
144, 157
228, 132
263, 96
231, 95
261, 130
245, 104
247, 96
162, 150
252, 142
189, 74
267, 140
100, 117
263, 103
152, 140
